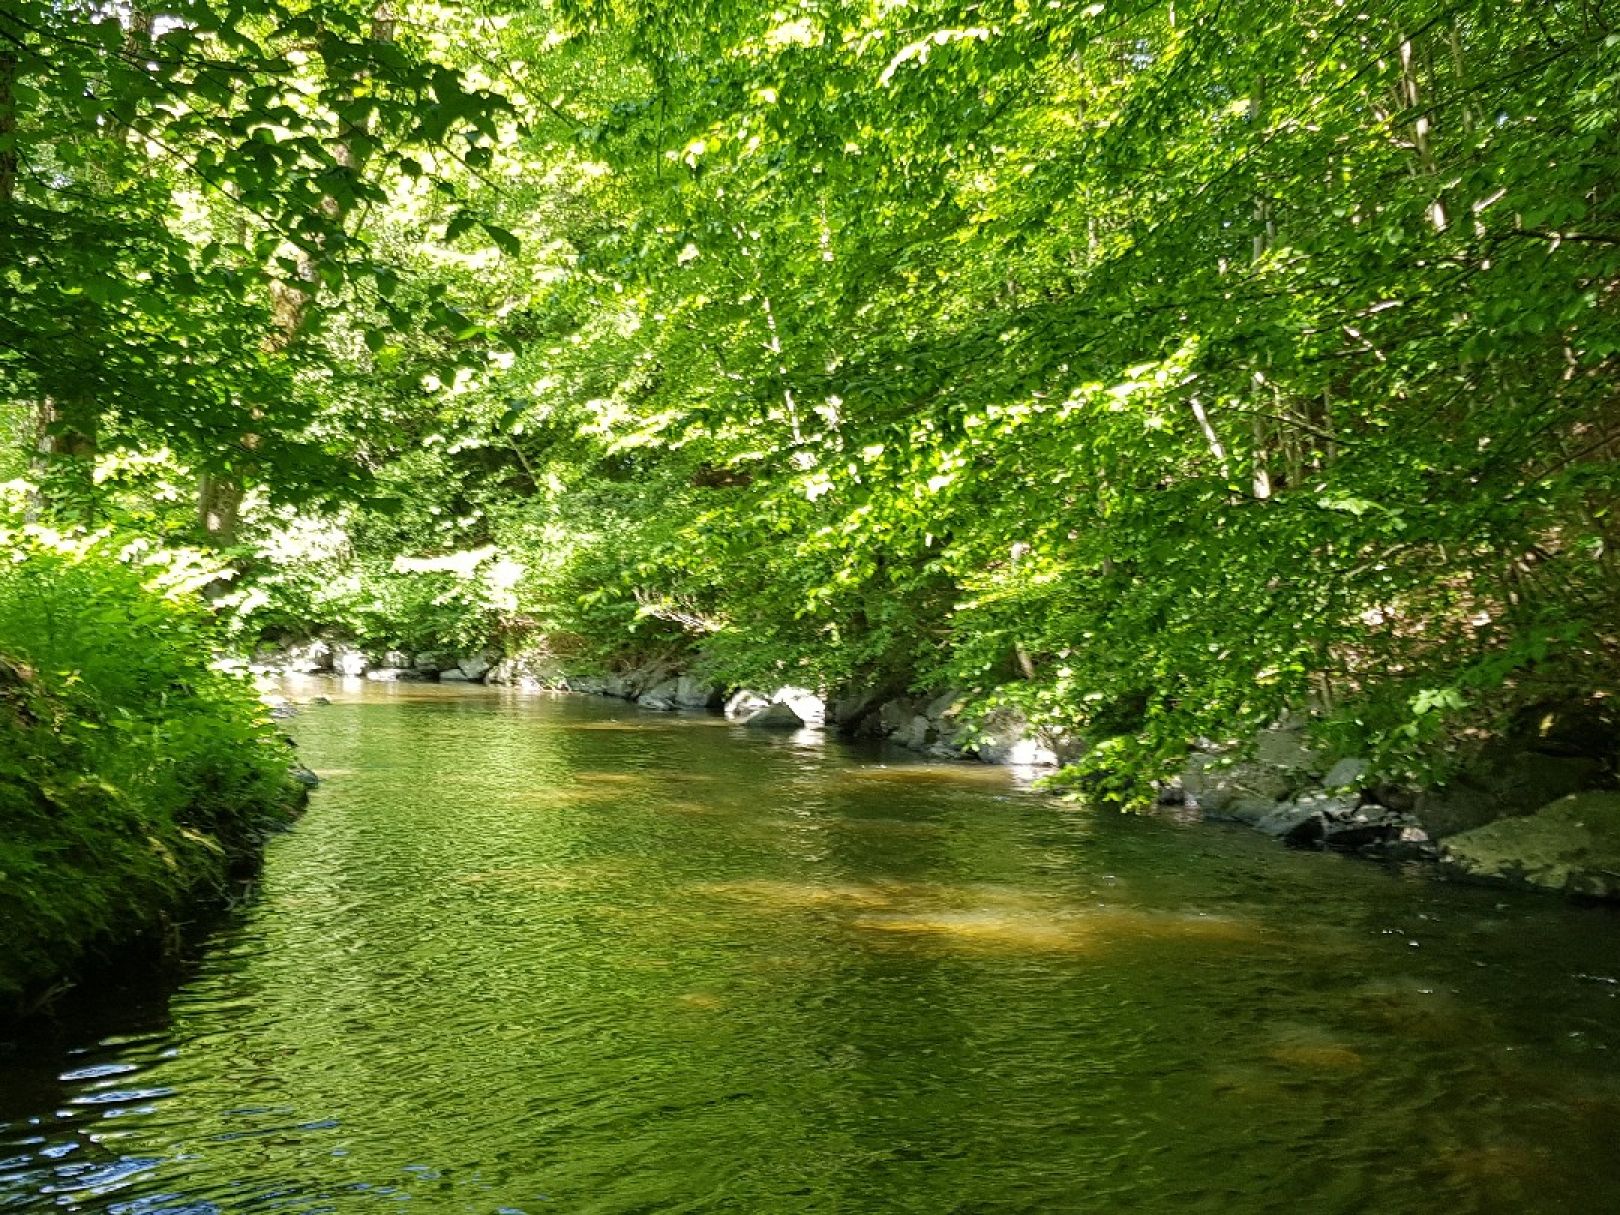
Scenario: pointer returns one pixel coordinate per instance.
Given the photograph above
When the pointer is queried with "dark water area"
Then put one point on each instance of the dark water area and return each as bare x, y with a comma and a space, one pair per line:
534, 953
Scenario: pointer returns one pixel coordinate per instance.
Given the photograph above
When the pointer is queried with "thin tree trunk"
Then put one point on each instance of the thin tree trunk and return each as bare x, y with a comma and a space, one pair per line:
220, 493
1265, 233
8, 127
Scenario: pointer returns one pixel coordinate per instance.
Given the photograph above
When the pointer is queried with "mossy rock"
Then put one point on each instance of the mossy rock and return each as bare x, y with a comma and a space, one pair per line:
1570, 845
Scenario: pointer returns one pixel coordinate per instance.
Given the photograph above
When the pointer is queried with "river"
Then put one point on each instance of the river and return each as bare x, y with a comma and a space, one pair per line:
546, 953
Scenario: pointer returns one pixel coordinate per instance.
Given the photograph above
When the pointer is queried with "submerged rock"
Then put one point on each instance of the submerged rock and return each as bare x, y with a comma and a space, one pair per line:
1570, 845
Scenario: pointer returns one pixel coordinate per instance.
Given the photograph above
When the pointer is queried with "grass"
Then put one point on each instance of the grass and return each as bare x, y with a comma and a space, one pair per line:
135, 781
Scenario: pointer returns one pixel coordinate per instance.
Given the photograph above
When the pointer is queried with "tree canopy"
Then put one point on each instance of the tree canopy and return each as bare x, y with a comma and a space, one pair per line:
1148, 366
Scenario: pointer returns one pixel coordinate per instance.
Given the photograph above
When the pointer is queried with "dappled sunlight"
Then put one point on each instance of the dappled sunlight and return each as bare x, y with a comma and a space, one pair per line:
649, 722
609, 778
625, 727
700, 1001
964, 776
1010, 926
986, 916
888, 826
696, 809
800, 895
987, 930
571, 876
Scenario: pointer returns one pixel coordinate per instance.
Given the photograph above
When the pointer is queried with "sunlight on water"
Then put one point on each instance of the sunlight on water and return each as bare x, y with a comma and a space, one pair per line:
541, 953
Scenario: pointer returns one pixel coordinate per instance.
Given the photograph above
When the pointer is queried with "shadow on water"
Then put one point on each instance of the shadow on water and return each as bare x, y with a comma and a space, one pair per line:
547, 953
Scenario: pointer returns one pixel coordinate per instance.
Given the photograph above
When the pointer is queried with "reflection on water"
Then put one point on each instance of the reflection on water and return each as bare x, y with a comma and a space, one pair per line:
537, 953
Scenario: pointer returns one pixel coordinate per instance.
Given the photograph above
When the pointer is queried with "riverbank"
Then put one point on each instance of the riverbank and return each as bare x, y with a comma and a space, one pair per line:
137, 784
102, 864
1535, 807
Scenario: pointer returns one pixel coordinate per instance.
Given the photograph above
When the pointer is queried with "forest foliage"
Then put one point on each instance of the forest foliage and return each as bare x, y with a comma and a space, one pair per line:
1147, 366
134, 777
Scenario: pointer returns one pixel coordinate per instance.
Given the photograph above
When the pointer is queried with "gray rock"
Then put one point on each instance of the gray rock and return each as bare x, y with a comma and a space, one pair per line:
916, 734
396, 659
455, 675
1249, 810
806, 704
1408, 843
1335, 807
308, 658
694, 693
778, 716
897, 714
1504, 784
397, 675
1581, 728
431, 662
1286, 820
473, 666
851, 706
661, 696
1004, 736
1287, 748
590, 685
530, 670
303, 776
1346, 774
346, 660
744, 703
1217, 785
1570, 845
618, 685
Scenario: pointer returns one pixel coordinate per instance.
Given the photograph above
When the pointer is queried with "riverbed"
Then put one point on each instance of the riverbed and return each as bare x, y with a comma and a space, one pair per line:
531, 952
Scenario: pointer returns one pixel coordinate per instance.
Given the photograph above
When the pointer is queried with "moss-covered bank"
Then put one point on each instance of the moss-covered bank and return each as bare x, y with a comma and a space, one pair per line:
135, 782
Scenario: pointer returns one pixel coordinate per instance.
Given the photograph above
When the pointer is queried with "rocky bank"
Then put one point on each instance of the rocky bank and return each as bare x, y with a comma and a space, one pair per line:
1536, 808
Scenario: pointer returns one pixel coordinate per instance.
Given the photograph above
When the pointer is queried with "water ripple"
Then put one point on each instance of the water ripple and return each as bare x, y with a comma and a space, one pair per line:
531, 954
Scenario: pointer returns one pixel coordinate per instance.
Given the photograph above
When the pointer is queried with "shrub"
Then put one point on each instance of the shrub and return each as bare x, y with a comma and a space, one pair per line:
134, 778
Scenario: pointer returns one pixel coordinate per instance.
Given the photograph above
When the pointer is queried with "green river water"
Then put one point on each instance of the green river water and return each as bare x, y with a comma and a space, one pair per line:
534, 953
